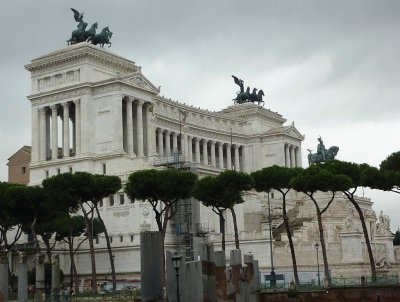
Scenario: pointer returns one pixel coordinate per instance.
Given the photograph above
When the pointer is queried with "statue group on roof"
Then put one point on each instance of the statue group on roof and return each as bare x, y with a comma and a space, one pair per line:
82, 35
247, 96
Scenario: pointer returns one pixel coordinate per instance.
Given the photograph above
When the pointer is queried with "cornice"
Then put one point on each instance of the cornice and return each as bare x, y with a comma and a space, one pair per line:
77, 51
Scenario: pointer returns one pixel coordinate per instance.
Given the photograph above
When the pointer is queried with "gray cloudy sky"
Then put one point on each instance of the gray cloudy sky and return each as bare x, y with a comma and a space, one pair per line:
330, 66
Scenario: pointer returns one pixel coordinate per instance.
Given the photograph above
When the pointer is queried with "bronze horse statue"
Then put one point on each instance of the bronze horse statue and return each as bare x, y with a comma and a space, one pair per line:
102, 38
256, 97
81, 34
245, 96
317, 158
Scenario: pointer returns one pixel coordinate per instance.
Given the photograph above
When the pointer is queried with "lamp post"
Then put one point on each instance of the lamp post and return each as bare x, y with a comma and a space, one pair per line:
176, 262
272, 280
319, 279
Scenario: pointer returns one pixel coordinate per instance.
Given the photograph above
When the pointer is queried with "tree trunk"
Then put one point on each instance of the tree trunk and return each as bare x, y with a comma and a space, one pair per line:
322, 241
46, 242
365, 231
110, 254
91, 247
34, 234
221, 226
292, 251
235, 228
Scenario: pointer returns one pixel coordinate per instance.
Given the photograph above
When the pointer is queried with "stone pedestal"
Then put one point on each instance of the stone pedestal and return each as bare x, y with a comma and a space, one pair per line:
4, 275
55, 278
207, 258
22, 271
194, 282
39, 279
387, 240
171, 278
352, 249
221, 275
151, 261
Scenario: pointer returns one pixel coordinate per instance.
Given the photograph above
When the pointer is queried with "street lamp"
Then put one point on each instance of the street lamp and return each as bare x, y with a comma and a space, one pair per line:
176, 262
319, 279
272, 280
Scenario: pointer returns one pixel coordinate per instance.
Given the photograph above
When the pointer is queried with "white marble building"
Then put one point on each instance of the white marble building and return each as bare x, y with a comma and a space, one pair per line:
95, 111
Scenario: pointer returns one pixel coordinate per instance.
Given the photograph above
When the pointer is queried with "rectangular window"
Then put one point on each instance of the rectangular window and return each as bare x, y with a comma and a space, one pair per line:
104, 169
131, 238
110, 239
58, 171
70, 169
23, 170
111, 200
121, 238
101, 203
121, 198
97, 239
47, 174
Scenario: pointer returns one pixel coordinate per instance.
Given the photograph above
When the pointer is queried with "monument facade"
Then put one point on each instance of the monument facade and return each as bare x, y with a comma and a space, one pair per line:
95, 111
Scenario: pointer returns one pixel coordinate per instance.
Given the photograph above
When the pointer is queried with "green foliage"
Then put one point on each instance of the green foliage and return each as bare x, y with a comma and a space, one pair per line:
7, 220
274, 177
316, 178
160, 185
391, 163
208, 191
377, 179
232, 184
396, 240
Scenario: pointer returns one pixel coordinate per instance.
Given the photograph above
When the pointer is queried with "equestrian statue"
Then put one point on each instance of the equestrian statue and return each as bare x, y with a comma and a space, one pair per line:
245, 96
82, 35
322, 154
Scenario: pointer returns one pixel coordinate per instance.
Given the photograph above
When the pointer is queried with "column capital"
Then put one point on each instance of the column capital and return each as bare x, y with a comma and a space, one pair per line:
212, 142
205, 140
175, 134
129, 100
139, 102
54, 107
42, 109
237, 146
77, 102
65, 105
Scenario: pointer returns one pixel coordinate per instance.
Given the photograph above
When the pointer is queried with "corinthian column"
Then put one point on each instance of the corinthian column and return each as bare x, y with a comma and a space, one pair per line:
35, 134
190, 150
54, 132
150, 131
139, 117
77, 126
287, 154
129, 126
66, 129
42, 135
197, 149
205, 154
228, 157
167, 143
212, 149
237, 163
160, 143
220, 155
292, 159
175, 142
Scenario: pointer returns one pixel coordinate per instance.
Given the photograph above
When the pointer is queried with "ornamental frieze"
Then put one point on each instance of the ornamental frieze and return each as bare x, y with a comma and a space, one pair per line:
107, 89
60, 96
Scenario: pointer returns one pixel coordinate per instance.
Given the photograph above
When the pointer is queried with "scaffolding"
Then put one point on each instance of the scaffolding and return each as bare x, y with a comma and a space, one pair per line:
185, 222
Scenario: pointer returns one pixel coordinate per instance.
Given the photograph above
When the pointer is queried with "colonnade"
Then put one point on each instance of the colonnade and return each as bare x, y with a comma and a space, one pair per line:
222, 155
292, 156
138, 127
45, 140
